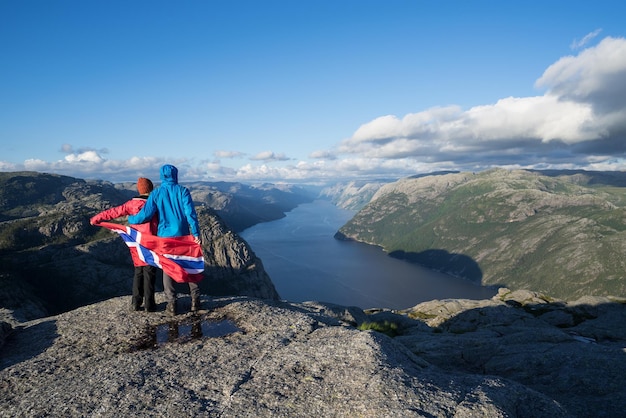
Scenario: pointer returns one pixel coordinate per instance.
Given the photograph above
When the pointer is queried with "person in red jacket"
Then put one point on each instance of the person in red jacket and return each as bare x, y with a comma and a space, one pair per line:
145, 275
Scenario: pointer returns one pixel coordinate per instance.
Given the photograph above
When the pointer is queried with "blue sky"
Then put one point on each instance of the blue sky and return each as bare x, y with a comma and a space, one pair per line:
298, 90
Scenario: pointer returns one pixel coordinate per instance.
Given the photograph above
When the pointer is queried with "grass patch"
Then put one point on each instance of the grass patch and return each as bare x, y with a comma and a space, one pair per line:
387, 328
420, 315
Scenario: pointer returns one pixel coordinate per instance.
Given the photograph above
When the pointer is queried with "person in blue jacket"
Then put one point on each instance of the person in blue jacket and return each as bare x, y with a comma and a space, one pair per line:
177, 217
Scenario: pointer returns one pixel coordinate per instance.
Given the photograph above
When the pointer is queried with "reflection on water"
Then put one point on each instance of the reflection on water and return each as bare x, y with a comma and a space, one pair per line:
185, 330
182, 332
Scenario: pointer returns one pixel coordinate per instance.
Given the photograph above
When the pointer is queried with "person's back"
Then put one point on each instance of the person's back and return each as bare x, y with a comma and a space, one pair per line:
173, 203
132, 207
177, 217
145, 274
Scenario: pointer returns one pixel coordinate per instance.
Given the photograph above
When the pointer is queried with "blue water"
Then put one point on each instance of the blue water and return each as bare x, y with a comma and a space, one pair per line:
305, 262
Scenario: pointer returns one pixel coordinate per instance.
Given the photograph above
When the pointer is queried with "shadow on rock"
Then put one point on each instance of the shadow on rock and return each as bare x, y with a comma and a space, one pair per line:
24, 343
572, 352
457, 265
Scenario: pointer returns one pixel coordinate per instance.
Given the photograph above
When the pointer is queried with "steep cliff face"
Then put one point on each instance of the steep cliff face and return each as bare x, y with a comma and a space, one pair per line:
563, 235
231, 267
53, 260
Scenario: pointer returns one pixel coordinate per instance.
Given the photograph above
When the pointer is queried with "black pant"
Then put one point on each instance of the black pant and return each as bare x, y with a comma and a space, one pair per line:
143, 287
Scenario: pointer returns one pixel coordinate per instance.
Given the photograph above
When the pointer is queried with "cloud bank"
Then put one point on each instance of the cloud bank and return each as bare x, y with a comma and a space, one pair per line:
578, 122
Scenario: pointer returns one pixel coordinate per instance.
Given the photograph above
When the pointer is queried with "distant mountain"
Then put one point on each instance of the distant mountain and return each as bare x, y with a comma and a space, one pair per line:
242, 206
561, 233
52, 260
351, 195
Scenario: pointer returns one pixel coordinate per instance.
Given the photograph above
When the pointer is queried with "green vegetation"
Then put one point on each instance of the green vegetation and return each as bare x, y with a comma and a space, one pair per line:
386, 327
420, 315
564, 236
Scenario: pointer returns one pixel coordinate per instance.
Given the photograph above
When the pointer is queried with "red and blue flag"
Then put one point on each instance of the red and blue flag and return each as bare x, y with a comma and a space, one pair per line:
180, 257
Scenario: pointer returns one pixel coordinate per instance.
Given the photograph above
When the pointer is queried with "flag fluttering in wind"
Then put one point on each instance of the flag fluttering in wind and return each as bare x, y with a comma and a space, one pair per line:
181, 257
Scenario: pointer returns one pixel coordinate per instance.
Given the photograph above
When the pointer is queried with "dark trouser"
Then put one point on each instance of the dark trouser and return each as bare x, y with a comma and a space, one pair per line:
170, 291
143, 287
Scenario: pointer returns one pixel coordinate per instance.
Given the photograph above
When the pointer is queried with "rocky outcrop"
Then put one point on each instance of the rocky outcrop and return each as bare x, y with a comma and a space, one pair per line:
66, 277
231, 267
572, 352
242, 357
519, 354
52, 260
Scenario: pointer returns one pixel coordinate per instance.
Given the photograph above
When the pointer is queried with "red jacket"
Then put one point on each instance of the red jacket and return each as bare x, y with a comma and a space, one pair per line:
132, 207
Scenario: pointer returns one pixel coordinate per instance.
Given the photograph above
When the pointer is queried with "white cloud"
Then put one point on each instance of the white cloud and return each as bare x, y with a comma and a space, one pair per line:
36, 165
228, 154
269, 156
577, 44
85, 157
582, 113
543, 118
7, 166
579, 122
322, 155
378, 130
540, 119
595, 76
69, 149
92, 165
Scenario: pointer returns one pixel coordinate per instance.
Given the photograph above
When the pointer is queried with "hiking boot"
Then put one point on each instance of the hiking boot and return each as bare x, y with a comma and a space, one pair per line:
136, 304
150, 305
171, 308
195, 305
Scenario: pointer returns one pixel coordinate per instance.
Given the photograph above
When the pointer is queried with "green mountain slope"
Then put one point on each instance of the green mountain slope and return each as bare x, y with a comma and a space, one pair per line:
561, 235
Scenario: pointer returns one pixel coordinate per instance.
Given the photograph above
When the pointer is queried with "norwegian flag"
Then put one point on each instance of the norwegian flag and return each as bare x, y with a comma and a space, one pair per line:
181, 258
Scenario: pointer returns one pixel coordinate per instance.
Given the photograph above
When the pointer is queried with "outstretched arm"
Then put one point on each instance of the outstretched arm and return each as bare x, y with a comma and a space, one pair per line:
145, 214
112, 213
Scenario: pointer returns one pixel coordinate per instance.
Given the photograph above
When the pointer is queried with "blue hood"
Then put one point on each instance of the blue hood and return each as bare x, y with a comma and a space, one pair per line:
169, 174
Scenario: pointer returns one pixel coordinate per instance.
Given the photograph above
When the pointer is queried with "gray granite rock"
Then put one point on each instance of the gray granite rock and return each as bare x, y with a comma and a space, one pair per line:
572, 352
241, 357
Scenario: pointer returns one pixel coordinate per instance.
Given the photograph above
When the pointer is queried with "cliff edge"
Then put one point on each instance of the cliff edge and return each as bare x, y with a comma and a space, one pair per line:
516, 355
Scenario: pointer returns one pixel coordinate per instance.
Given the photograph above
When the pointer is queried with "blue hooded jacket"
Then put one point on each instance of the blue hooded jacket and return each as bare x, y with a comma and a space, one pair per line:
173, 203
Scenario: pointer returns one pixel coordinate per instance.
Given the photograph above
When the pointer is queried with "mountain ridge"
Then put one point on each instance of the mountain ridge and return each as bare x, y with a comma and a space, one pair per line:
519, 354
561, 234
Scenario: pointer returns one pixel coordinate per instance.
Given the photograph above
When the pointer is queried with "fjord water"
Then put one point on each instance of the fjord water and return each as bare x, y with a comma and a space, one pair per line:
305, 263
